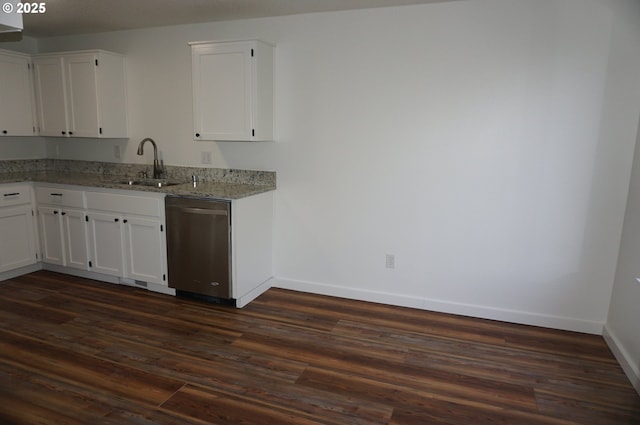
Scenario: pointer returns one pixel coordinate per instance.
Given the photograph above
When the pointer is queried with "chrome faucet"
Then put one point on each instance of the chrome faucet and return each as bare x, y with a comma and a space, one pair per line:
157, 167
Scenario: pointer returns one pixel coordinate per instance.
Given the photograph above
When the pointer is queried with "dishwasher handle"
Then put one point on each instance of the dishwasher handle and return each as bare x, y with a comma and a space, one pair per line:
205, 211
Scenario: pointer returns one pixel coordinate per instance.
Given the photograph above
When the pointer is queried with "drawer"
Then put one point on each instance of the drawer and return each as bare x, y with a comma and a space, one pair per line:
15, 195
125, 204
62, 197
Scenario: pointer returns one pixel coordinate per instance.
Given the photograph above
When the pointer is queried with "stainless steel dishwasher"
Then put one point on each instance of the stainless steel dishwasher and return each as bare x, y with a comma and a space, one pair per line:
199, 247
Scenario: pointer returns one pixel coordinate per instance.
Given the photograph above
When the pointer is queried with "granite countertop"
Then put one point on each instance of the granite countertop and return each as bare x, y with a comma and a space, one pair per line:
227, 190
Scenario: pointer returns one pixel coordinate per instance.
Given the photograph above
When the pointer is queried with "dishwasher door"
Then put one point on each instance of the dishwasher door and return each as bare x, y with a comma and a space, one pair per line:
199, 246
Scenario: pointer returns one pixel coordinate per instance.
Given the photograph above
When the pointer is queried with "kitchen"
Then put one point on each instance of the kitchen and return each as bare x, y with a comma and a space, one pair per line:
488, 146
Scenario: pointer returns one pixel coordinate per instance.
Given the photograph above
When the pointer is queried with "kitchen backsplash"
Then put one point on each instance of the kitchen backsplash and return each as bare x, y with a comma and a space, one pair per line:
22, 165
134, 170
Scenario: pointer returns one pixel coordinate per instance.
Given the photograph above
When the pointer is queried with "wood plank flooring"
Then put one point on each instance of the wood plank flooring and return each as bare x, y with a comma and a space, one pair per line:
77, 351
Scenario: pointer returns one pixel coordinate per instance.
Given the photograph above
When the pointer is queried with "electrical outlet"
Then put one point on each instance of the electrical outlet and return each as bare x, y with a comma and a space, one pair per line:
390, 261
205, 157
116, 152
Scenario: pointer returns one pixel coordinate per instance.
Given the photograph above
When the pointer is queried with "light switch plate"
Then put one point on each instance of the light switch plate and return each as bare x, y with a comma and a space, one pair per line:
205, 157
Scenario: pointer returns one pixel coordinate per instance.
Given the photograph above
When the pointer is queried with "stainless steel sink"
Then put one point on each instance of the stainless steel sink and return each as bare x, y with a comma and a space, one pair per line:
149, 182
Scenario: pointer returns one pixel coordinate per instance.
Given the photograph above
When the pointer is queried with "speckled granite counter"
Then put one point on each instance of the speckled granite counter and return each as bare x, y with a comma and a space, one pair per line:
213, 182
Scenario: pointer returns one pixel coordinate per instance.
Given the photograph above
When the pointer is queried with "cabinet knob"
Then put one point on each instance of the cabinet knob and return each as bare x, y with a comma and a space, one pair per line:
125, 220
197, 134
116, 219
55, 212
64, 132
4, 131
71, 132
63, 213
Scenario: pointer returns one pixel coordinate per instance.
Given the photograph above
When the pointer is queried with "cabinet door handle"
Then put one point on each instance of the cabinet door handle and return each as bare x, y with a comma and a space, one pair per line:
125, 220
71, 133
4, 131
197, 134
205, 211
116, 219
12, 194
63, 213
55, 212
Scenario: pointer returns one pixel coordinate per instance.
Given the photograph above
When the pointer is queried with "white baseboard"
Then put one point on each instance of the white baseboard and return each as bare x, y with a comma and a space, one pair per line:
20, 271
80, 273
631, 368
110, 279
254, 293
479, 311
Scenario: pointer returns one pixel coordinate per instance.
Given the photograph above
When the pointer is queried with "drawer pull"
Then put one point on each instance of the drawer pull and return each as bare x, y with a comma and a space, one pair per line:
56, 194
12, 194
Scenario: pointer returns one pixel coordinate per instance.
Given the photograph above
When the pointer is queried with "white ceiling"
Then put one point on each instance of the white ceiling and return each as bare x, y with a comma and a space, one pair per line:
65, 17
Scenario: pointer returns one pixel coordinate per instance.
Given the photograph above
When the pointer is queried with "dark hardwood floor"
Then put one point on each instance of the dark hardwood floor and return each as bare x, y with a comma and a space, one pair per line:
76, 351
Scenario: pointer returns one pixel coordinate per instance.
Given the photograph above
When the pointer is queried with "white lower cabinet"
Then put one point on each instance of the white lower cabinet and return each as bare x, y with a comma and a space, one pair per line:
105, 244
74, 235
121, 234
16, 225
111, 232
126, 236
17, 228
63, 237
144, 242
51, 235
63, 229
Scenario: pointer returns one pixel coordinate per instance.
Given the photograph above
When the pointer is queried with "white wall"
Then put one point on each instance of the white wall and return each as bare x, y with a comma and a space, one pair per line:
22, 148
477, 141
622, 328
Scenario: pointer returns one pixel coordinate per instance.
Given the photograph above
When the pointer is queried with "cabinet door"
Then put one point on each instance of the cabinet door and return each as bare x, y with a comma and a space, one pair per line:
50, 96
82, 95
51, 235
145, 242
74, 234
222, 91
105, 244
16, 102
18, 236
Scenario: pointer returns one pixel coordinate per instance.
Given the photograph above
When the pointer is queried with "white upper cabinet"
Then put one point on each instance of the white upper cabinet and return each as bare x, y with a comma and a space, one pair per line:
81, 75
16, 98
233, 88
81, 94
50, 96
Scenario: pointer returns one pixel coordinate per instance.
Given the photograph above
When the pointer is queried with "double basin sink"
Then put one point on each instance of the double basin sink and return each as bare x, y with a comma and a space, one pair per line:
148, 182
